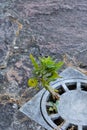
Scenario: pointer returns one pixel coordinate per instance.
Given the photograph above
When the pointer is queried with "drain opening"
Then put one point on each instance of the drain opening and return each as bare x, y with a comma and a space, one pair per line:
58, 121
51, 110
84, 127
61, 90
71, 86
83, 86
50, 98
51, 105
72, 127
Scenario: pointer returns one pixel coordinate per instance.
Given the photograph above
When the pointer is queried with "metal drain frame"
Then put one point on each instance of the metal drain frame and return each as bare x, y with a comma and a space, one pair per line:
50, 118
32, 108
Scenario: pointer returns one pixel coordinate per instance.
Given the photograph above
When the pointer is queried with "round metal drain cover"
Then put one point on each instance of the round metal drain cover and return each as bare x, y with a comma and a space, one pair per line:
73, 107
71, 110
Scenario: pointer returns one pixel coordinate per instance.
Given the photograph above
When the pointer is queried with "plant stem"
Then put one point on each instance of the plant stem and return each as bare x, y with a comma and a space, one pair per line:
52, 91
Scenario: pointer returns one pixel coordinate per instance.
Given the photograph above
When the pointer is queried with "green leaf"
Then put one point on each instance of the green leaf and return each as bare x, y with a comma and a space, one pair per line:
53, 77
44, 72
51, 103
53, 106
59, 65
47, 61
47, 75
57, 103
51, 109
32, 82
34, 61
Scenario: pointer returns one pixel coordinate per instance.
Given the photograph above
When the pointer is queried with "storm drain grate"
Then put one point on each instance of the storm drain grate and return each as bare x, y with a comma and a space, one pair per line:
71, 110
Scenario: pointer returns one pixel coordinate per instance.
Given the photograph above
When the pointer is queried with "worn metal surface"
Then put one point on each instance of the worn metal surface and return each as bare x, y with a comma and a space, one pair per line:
36, 108
73, 107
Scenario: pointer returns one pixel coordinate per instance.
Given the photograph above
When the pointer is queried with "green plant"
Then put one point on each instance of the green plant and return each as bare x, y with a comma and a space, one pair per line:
45, 71
53, 107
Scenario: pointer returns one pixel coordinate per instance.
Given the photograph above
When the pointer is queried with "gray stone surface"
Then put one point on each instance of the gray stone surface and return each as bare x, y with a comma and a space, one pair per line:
46, 27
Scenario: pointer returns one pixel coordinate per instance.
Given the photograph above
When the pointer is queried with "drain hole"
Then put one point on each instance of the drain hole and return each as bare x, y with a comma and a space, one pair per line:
61, 90
84, 127
71, 86
58, 121
50, 98
72, 127
51, 110
84, 87
51, 105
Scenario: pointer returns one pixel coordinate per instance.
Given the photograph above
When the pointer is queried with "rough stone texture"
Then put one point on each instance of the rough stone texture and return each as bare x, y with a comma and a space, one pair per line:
47, 27
6, 115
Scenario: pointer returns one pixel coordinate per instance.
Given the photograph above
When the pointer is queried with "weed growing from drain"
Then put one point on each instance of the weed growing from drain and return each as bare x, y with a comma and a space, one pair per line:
45, 71
53, 107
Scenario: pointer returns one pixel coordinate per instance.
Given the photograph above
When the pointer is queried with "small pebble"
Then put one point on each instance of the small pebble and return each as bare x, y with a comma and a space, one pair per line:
16, 47
15, 106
